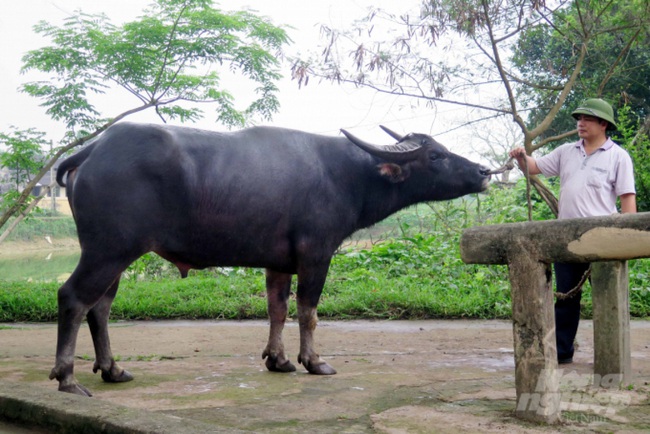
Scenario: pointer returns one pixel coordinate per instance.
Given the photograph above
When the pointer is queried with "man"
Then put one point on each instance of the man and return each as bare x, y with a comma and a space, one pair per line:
594, 172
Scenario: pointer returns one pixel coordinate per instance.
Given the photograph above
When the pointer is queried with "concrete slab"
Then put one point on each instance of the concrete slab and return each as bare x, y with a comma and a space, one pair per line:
394, 377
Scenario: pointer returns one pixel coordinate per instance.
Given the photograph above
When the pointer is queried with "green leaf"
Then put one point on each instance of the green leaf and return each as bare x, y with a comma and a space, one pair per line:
175, 52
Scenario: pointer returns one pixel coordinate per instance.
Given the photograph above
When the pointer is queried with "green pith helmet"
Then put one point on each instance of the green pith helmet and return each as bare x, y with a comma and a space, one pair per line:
598, 108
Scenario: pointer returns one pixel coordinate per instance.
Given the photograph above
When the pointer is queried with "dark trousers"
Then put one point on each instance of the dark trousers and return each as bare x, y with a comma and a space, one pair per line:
567, 312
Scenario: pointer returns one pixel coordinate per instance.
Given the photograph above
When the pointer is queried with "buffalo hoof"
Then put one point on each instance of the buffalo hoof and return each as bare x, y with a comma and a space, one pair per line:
75, 388
273, 365
67, 383
114, 377
115, 374
320, 368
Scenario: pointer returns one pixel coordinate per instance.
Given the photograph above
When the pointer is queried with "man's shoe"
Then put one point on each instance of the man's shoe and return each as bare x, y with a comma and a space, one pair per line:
565, 361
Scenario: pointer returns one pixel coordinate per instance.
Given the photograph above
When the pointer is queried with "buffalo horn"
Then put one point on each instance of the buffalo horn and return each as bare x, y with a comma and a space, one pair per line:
399, 153
391, 133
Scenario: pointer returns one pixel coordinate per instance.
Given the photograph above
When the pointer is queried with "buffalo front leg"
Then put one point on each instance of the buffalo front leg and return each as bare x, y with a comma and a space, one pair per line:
98, 324
310, 286
278, 287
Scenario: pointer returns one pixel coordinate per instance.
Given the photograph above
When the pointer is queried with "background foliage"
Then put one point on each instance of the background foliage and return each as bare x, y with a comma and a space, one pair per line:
171, 59
543, 57
615, 67
407, 266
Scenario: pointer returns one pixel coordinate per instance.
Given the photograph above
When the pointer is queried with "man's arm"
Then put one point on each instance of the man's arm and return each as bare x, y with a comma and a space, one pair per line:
628, 203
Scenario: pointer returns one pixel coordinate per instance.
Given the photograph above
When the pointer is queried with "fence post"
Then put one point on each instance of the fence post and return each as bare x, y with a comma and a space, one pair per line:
611, 315
536, 375
528, 248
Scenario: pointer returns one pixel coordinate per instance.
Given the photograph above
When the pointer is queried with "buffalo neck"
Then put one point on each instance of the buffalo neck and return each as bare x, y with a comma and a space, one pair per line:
383, 198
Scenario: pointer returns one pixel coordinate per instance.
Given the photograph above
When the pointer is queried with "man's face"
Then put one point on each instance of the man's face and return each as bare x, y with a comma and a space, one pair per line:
590, 127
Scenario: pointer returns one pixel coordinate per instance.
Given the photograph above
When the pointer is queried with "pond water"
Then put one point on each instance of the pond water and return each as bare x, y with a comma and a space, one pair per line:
39, 266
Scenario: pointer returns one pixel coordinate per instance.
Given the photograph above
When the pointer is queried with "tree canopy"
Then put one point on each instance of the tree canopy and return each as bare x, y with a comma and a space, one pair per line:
174, 58
491, 56
174, 54
616, 67
527, 60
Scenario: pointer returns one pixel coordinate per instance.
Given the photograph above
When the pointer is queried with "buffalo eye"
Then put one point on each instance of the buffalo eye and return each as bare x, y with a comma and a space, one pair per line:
434, 156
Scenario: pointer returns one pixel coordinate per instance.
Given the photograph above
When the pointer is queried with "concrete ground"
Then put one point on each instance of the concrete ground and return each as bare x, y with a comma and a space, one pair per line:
393, 377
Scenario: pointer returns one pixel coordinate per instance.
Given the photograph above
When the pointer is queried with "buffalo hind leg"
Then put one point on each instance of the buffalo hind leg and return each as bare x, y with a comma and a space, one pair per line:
98, 324
70, 315
76, 297
310, 286
278, 288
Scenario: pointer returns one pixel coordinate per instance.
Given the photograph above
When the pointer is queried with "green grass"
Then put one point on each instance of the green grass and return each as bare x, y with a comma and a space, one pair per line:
416, 273
39, 227
24, 301
362, 284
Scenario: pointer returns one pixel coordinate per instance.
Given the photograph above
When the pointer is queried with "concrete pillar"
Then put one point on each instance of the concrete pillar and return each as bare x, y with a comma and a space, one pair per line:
536, 375
611, 313
526, 247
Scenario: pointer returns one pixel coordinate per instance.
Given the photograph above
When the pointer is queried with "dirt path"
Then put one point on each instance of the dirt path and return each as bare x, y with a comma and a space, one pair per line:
393, 376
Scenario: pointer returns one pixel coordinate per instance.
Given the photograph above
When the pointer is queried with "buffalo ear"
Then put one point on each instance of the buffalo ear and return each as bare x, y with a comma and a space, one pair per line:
393, 172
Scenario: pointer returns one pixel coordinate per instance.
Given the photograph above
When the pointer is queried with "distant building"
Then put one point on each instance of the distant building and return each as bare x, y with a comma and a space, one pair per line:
56, 199
5, 183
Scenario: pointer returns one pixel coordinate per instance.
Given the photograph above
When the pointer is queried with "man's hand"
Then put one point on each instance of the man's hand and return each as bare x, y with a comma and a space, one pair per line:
518, 153
524, 161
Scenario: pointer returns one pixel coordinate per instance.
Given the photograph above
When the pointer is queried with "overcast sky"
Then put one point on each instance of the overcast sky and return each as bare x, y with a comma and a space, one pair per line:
319, 107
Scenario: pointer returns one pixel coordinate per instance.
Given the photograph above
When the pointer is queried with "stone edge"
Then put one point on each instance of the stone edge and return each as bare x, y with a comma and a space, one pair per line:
66, 413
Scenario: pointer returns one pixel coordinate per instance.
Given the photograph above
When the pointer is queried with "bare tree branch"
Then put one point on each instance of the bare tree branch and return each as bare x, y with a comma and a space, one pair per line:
557, 138
22, 215
546, 122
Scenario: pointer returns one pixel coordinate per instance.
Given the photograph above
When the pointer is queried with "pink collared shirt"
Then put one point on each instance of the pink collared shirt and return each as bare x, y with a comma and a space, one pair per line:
589, 184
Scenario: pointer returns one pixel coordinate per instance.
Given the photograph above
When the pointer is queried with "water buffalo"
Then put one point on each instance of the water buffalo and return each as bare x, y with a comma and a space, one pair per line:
264, 197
